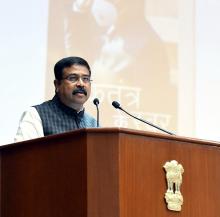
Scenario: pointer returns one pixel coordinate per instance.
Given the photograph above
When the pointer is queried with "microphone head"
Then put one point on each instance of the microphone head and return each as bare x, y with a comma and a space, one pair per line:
116, 104
96, 101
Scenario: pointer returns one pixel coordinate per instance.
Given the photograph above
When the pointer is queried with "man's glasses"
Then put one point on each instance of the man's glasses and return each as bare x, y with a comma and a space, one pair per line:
75, 78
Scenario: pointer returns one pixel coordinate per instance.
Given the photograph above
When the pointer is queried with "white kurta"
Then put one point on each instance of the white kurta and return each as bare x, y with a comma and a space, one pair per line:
30, 126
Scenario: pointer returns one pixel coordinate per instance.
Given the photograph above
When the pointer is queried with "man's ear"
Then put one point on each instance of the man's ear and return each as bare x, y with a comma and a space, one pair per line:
56, 84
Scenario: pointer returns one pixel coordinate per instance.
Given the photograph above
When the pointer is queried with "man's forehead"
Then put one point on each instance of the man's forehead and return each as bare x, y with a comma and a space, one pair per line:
76, 69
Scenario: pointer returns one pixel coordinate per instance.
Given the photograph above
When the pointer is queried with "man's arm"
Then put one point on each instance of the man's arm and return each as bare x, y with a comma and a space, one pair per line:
30, 126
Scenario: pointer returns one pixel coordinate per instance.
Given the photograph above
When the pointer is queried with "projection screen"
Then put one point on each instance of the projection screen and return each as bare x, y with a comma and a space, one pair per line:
141, 54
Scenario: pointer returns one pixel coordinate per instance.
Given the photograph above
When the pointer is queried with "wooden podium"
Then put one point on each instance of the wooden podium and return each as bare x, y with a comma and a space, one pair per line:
109, 172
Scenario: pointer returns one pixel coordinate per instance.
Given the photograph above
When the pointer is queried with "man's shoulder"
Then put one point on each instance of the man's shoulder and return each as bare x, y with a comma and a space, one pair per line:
30, 112
43, 104
45, 107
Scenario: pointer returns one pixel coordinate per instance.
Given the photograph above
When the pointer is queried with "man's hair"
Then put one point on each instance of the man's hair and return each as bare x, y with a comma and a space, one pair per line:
68, 62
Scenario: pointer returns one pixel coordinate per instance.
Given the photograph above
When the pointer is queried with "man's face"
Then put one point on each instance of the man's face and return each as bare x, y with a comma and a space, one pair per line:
74, 89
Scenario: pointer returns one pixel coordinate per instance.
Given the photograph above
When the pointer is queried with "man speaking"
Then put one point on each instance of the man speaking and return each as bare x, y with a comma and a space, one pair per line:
65, 112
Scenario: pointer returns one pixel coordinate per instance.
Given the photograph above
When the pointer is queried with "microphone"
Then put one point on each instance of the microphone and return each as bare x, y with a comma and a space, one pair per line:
96, 103
117, 106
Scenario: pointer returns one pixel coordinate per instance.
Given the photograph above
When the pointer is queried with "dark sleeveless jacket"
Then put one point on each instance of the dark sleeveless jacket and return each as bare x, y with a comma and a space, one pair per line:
59, 118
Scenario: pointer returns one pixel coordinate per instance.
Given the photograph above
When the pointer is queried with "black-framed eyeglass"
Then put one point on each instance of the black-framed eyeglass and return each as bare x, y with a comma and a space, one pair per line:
73, 78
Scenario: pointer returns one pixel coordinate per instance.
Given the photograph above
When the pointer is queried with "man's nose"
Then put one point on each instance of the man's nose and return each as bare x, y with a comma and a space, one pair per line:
80, 82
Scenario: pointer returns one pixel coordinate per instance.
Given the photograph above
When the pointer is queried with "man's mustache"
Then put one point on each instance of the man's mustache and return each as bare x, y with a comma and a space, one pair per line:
79, 90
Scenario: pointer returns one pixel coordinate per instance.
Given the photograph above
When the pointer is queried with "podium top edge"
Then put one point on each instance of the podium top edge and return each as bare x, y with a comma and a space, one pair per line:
117, 130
